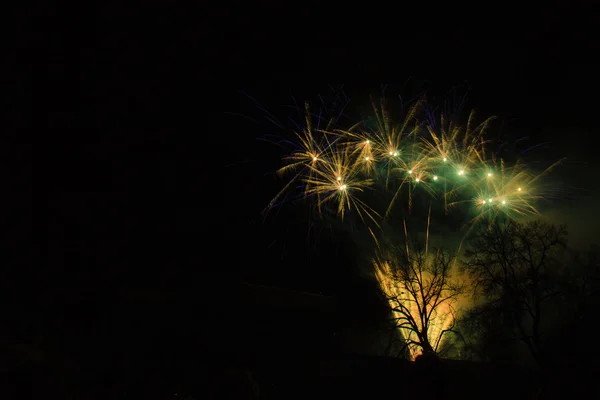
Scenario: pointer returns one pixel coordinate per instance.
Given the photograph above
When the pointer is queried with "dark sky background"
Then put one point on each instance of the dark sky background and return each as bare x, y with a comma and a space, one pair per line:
143, 178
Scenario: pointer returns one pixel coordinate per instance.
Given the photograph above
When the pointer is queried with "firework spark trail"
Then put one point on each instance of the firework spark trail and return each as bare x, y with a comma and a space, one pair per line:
337, 179
310, 150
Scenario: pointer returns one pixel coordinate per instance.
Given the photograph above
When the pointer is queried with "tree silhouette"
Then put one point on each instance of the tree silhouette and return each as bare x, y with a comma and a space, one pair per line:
516, 268
578, 304
422, 293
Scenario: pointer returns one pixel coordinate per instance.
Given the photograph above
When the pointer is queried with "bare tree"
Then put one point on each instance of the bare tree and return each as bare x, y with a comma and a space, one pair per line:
515, 268
581, 283
422, 293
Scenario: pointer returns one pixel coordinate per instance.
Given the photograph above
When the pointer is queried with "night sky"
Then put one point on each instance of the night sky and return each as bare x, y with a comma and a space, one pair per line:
148, 172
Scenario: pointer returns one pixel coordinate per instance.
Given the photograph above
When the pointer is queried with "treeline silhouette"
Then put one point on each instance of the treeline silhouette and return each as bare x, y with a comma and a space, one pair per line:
530, 334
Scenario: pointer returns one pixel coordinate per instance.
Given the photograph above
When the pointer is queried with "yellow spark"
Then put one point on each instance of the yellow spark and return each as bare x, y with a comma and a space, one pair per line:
483, 202
304, 160
489, 174
503, 201
461, 172
490, 200
519, 189
339, 180
435, 178
417, 180
395, 154
367, 158
410, 171
448, 140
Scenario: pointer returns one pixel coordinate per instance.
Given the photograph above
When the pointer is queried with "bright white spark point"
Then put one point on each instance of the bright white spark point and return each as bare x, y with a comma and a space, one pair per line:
519, 189
503, 201
343, 187
314, 158
391, 153
489, 174
417, 180
435, 178
490, 200
483, 202
445, 159
461, 172
396, 153
367, 141
410, 171
367, 158
339, 178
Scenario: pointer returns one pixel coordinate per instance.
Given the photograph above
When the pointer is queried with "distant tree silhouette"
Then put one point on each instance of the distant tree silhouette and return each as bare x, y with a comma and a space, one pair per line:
516, 269
489, 337
578, 303
422, 293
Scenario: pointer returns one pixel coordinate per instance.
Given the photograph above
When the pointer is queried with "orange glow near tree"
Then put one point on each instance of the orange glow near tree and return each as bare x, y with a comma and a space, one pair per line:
423, 295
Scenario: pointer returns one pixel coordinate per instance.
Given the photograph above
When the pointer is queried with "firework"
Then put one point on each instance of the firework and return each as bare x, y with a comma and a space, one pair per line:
505, 192
336, 179
313, 147
447, 164
348, 170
